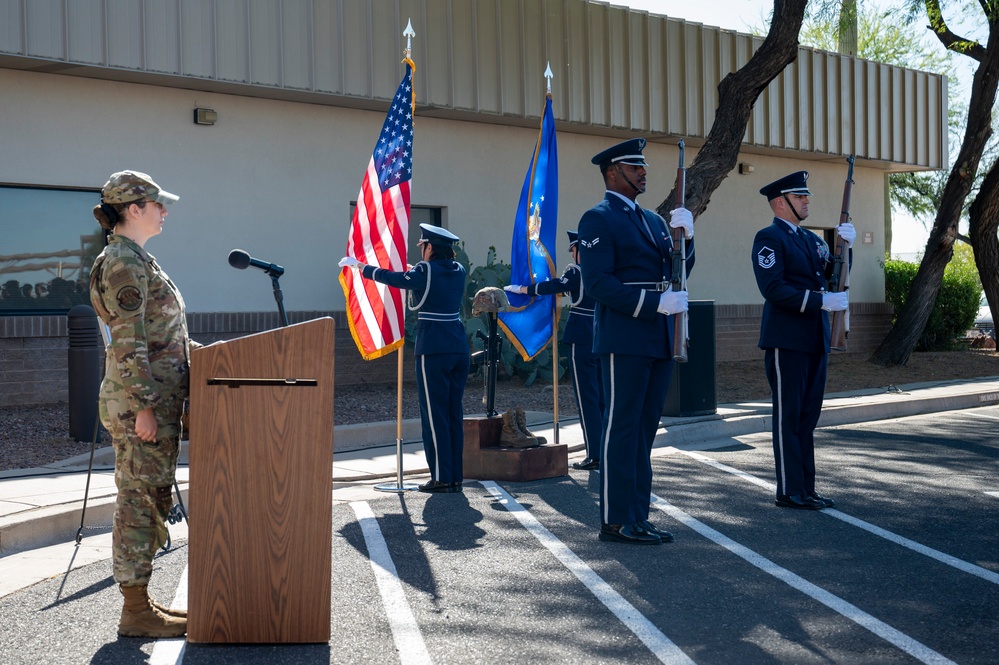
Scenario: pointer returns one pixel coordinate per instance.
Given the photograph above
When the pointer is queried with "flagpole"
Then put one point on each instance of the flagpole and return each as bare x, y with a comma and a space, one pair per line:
558, 300
555, 359
400, 487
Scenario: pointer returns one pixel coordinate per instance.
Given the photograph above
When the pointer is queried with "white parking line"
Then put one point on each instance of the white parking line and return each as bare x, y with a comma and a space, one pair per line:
171, 651
947, 559
995, 494
660, 645
912, 647
982, 415
405, 631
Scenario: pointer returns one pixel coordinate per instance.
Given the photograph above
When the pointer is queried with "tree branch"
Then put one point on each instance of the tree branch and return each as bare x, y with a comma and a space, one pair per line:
951, 41
737, 93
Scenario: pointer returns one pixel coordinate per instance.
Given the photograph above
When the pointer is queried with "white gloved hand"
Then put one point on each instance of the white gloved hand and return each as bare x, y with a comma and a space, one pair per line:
682, 218
672, 302
835, 302
349, 262
847, 232
515, 288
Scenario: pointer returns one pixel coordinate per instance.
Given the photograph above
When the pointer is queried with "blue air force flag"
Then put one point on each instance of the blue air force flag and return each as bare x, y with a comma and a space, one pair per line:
529, 323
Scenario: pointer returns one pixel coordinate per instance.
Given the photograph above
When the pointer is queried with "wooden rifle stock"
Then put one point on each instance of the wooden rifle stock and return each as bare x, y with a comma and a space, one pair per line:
678, 273
840, 279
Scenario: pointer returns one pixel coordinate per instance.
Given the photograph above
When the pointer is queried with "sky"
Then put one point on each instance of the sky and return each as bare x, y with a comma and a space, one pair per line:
732, 14
908, 235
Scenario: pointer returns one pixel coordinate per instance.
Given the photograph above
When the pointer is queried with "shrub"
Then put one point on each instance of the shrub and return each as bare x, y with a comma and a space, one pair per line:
955, 309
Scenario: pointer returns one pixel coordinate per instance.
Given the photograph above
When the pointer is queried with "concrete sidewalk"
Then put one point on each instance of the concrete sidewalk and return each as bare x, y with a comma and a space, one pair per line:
42, 507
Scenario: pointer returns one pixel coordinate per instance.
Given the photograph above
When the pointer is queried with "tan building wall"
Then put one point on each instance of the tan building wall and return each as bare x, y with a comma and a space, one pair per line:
277, 179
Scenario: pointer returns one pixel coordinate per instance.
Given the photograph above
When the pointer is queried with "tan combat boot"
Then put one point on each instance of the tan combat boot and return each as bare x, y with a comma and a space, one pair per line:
169, 611
522, 426
140, 619
511, 436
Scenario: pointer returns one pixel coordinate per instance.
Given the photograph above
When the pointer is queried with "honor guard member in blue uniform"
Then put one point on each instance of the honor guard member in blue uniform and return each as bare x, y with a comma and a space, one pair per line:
436, 286
626, 264
586, 383
792, 265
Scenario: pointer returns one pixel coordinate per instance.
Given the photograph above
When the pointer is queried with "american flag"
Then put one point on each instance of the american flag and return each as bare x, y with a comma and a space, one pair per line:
379, 229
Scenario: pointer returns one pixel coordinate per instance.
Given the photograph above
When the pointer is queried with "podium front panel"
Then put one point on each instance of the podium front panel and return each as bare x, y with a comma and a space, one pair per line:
261, 483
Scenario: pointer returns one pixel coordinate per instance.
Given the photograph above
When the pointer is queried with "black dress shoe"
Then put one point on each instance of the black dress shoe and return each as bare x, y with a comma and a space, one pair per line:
800, 501
824, 500
632, 534
437, 486
587, 464
456, 487
663, 534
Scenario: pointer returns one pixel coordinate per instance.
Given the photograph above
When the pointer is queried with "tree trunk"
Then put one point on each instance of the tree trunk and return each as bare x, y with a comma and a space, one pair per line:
737, 93
984, 225
896, 348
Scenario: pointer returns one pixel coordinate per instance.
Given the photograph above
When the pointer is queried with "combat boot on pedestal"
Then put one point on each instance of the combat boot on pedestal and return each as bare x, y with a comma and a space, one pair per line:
140, 619
522, 426
512, 436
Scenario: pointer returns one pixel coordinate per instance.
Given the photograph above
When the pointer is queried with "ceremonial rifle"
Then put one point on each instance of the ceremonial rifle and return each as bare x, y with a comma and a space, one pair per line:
678, 273
840, 278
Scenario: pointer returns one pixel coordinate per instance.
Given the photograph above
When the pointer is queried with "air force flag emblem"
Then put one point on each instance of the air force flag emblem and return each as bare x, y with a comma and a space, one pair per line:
766, 257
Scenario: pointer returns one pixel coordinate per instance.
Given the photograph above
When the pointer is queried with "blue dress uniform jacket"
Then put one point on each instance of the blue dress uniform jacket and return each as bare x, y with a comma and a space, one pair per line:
791, 272
625, 256
791, 266
442, 356
579, 326
586, 380
625, 270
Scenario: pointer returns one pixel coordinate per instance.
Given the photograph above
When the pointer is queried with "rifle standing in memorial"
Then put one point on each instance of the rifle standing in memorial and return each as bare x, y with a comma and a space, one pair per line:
678, 274
840, 278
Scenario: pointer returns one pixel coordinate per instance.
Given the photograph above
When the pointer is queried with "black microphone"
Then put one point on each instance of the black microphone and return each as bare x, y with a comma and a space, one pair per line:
241, 260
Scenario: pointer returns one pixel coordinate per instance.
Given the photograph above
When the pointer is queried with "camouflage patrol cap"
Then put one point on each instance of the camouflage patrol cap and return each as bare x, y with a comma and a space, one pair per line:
128, 186
489, 299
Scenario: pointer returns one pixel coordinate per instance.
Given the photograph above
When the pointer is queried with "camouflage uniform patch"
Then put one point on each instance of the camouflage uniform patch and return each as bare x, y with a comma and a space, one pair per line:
147, 366
119, 277
129, 298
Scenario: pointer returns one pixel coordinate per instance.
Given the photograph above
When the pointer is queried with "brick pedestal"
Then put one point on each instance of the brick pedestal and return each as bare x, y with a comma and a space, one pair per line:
484, 459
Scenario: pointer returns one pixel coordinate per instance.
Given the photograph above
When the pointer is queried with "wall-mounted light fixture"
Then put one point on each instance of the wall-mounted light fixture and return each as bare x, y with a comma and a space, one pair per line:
205, 116
745, 169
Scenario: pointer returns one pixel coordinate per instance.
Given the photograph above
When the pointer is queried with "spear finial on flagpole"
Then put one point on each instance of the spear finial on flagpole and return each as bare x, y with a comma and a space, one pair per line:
549, 76
407, 57
409, 33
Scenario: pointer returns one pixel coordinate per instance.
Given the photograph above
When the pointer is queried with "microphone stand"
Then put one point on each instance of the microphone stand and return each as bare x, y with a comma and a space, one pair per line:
279, 298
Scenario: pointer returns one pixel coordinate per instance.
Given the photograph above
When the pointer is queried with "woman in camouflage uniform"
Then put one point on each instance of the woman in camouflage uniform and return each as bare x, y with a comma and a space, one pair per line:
144, 388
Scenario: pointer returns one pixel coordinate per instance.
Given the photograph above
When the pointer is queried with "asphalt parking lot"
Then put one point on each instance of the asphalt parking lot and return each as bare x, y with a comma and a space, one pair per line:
905, 569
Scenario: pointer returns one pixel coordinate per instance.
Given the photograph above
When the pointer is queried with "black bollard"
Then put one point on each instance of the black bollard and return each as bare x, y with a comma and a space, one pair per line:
85, 351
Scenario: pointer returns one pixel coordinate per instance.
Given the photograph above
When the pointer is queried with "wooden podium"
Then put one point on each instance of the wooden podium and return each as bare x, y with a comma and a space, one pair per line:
261, 484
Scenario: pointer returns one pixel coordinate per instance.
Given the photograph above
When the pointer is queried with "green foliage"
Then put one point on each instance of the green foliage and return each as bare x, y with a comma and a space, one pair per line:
882, 37
497, 273
957, 303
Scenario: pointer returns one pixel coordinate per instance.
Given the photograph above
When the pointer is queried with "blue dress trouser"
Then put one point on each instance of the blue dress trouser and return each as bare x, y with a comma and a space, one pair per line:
440, 384
797, 383
589, 391
634, 393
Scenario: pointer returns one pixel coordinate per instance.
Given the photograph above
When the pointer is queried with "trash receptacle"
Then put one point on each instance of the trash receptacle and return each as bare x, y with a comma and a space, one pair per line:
85, 351
692, 386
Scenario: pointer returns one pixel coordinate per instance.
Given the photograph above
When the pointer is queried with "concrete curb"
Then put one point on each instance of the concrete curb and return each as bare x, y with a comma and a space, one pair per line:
51, 525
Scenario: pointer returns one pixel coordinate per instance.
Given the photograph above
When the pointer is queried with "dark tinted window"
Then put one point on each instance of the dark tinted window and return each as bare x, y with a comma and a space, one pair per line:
49, 242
